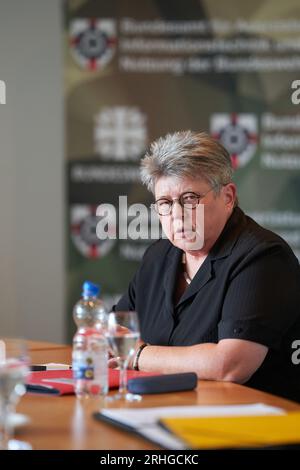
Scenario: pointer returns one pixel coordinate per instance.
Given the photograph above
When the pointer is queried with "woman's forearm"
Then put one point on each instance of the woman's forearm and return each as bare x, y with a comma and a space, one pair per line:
202, 359
230, 360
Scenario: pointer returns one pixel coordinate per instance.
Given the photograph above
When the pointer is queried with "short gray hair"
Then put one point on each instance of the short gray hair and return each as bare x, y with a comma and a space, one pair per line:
187, 154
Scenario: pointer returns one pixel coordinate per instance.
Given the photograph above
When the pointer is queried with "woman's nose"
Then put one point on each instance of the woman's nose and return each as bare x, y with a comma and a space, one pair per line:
177, 210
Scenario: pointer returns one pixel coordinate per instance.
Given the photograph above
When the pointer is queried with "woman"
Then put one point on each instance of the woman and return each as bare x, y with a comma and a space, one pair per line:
221, 295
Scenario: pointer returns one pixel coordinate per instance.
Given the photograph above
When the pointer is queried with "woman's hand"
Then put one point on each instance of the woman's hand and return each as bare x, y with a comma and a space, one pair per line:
113, 362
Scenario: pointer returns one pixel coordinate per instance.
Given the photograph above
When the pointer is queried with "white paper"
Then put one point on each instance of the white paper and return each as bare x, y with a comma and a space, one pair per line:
144, 420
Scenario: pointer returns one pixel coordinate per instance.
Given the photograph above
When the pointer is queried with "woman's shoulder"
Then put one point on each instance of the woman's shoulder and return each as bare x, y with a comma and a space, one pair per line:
256, 240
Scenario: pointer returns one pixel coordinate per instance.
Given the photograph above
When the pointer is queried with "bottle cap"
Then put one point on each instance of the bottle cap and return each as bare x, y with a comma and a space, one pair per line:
89, 289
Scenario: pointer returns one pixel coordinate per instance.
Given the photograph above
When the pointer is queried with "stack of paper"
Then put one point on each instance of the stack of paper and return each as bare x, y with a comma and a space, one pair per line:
147, 421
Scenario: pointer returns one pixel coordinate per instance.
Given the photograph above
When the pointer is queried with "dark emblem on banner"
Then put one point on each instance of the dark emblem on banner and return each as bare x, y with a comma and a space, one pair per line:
83, 232
93, 42
238, 134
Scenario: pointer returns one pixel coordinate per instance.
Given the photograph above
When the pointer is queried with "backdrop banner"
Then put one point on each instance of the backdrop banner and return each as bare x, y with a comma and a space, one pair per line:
137, 70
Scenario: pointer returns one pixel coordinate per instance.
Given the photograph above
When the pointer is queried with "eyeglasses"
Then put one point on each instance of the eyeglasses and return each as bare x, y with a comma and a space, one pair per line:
188, 200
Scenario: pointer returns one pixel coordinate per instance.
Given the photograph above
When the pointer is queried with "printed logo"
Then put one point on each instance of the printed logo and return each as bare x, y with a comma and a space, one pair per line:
238, 134
120, 133
93, 42
83, 232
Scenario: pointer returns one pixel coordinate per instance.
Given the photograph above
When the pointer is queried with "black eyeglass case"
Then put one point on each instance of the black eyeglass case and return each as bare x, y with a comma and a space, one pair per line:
163, 383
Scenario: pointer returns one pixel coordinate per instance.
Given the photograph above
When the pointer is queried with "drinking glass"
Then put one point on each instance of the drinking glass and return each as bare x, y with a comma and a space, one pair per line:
122, 333
14, 367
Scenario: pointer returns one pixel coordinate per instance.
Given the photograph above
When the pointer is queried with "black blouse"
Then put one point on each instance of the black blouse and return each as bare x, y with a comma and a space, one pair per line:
247, 288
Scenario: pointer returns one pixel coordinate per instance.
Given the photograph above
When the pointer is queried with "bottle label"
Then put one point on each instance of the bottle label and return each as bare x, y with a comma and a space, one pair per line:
83, 366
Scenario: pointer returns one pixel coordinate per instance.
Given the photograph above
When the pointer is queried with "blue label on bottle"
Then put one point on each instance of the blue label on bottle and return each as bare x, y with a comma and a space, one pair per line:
83, 366
82, 372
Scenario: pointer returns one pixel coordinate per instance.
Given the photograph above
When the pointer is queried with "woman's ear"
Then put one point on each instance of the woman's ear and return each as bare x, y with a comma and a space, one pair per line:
229, 194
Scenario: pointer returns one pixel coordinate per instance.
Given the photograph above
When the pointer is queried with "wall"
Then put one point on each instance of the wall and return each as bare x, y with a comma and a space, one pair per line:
32, 170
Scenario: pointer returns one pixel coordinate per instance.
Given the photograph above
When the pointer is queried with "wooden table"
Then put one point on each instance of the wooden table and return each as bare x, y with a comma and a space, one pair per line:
67, 423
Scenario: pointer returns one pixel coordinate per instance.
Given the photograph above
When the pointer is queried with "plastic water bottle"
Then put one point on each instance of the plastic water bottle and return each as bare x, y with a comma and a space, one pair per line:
90, 347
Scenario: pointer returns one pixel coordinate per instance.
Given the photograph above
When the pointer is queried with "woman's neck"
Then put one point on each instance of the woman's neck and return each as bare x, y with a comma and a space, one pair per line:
192, 264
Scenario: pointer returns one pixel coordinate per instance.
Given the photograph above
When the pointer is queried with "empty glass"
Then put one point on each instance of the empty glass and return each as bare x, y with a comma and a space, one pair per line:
14, 367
